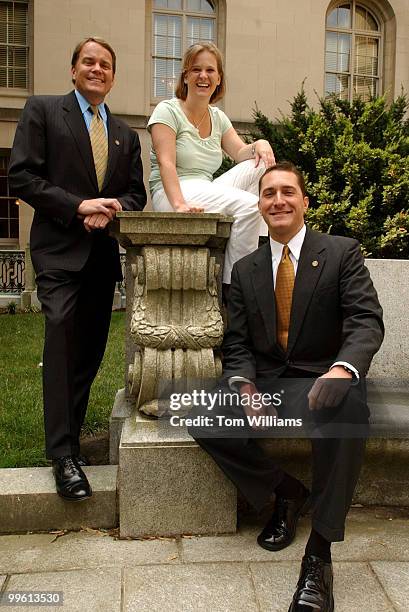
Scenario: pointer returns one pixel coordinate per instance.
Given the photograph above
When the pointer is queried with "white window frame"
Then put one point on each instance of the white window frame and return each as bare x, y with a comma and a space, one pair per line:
354, 32
184, 14
9, 200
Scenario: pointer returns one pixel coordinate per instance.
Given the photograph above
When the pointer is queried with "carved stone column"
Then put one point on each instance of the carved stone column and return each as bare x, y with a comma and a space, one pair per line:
174, 323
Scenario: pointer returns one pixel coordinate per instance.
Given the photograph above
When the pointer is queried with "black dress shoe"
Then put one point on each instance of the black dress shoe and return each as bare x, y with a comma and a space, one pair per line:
70, 480
280, 529
314, 589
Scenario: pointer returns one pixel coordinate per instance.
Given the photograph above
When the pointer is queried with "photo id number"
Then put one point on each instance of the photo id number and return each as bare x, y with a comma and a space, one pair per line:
31, 598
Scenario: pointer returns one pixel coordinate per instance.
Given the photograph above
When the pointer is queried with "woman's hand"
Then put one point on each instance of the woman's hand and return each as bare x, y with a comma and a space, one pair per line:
260, 150
189, 207
263, 152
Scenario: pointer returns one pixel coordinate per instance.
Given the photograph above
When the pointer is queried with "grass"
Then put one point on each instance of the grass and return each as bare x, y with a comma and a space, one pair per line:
21, 411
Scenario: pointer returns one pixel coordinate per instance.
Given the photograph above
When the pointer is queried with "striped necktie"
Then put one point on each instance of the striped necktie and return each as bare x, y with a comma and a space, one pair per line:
284, 296
99, 144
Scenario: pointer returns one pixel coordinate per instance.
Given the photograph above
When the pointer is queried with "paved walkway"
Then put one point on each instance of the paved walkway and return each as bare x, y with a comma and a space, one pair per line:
97, 572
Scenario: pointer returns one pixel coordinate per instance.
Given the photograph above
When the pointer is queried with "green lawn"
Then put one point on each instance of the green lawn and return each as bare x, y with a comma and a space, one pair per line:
21, 413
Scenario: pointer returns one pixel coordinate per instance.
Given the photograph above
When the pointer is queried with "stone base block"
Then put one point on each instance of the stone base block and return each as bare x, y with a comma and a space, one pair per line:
121, 410
117, 303
168, 485
29, 502
29, 299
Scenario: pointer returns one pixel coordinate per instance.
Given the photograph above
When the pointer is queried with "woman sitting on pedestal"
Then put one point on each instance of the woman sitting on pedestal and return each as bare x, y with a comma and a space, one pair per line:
188, 139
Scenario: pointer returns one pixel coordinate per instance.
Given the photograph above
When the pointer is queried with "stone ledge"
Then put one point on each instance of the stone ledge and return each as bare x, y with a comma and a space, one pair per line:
29, 502
188, 229
384, 478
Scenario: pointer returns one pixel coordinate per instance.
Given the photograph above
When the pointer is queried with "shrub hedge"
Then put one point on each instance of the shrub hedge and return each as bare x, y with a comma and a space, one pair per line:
355, 159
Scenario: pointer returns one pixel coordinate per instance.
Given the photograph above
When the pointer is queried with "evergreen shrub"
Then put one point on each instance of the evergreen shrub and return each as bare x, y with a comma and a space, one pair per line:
356, 163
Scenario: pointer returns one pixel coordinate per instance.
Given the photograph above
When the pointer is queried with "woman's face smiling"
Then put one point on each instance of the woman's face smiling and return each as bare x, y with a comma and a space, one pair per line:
203, 77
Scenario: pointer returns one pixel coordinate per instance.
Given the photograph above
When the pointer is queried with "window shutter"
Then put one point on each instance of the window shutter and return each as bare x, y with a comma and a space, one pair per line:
14, 51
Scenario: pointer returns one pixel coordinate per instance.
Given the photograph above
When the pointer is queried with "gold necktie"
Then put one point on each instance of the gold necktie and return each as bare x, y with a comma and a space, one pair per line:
284, 296
99, 144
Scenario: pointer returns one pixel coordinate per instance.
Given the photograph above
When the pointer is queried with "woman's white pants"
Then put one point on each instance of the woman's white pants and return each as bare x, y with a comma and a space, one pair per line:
234, 193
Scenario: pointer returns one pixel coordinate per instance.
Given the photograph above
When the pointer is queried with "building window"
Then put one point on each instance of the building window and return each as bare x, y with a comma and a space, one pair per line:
8, 206
177, 24
352, 52
14, 44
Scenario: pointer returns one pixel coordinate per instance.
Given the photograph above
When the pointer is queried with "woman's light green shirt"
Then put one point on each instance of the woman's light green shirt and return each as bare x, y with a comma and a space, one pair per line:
196, 157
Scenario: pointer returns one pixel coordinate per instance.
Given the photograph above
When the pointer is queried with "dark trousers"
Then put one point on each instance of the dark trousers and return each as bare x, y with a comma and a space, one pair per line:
77, 308
336, 464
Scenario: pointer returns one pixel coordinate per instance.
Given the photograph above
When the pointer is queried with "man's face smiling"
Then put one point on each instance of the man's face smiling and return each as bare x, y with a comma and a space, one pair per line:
93, 72
282, 204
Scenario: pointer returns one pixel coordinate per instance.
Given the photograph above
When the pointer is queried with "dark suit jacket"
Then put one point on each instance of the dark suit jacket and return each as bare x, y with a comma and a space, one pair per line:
52, 169
335, 313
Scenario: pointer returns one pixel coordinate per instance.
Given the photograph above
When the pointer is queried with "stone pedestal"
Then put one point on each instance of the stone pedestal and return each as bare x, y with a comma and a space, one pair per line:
174, 328
173, 283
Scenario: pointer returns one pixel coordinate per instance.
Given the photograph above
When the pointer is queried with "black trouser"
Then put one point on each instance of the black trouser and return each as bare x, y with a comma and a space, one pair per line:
77, 308
336, 464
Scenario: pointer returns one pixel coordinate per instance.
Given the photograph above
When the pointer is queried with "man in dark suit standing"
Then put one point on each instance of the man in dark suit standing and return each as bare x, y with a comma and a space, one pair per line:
76, 165
302, 306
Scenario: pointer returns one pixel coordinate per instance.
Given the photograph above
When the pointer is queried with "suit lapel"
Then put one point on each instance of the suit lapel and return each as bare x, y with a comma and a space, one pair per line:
114, 146
75, 121
310, 266
262, 279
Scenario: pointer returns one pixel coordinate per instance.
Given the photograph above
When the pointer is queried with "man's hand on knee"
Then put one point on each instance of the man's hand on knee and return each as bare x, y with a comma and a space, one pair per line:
254, 406
329, 389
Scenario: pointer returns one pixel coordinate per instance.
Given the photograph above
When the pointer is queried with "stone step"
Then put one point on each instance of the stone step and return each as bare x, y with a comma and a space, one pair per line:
29, 502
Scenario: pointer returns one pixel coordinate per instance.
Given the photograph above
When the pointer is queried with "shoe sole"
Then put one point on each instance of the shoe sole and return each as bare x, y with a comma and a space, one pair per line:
74, 499
331, 609
302, 512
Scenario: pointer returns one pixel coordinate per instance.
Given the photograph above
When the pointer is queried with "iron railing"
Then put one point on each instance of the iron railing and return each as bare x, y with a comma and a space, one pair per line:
12, 268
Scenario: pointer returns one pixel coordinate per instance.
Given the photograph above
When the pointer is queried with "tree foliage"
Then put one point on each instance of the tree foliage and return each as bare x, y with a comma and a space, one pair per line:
356, 163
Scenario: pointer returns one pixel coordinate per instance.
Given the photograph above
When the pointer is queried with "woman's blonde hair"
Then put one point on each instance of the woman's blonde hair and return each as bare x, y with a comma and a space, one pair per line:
188, 60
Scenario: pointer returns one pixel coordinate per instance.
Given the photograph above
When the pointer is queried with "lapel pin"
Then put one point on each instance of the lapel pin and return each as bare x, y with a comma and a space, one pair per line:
117, 142
314, 263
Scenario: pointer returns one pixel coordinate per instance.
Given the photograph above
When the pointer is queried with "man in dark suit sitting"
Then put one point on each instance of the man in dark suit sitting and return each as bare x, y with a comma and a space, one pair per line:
76, 165
302, 306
